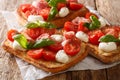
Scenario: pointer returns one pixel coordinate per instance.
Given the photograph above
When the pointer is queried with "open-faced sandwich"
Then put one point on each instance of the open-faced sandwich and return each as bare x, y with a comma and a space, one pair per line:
103, 41
54, 11
45, 47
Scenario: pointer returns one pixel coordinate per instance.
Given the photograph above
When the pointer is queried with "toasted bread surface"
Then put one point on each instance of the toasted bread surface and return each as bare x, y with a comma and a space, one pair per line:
59, 22
49, 66
106, 57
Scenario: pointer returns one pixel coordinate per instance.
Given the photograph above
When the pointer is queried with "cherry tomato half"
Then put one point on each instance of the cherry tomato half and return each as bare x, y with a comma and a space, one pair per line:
69, 26
75, 6
72, 47
34, 32
11, 33
94, 36
44, 13
81, 27
114, 31
49, 55
35, 54
55, 47
28, 9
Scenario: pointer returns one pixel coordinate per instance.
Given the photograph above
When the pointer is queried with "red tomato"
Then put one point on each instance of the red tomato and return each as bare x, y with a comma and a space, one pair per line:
75, 6
55, 47
49, 55
69, 26
115, 31
87, 16
72, 47
34, 32
36, 54
11, 33
71, 0
94, 36
45, 13
49, 31
81, 27
28, 9
60, 5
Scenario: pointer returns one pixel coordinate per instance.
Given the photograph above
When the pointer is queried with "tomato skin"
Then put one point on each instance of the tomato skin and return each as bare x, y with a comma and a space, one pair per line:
44, 13
72, 47
69, 35
11, 33
94, 36
69, 26
49, 55
35, 54
55, 47
81, 27
28, 9
75, 6
60, 5
87, 16
34, 33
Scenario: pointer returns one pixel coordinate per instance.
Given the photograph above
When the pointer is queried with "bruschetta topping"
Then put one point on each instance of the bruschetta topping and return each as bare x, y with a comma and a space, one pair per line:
62, 57
34, 18
107, 46
82, 36
64, 11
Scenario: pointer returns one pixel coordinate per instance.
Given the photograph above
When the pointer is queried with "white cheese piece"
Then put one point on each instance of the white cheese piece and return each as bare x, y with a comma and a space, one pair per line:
17, 46
82, 36
107, 47
62, 57
102, 21
63, 12
57, 37
33, 18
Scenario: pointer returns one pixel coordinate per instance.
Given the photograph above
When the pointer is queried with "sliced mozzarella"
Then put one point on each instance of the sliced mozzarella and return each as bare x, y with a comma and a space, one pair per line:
57, 37
102, 21
17, 46
110, 46
82, 36
62, 57
63, 12
33, 18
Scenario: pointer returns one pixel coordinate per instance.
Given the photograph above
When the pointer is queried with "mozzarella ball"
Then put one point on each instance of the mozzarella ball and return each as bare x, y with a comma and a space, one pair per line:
33, 18
63, 12
62, 57
57, 37
107, 47
82, 36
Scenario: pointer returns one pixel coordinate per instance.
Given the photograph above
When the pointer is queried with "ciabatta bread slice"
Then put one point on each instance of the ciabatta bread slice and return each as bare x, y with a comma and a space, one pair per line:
49, 66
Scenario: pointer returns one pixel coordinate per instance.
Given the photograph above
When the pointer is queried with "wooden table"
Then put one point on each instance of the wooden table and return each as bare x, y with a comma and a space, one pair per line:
9, 69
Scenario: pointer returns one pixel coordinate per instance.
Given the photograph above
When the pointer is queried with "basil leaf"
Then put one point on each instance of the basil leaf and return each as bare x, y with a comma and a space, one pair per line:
53, 12
30, 45
41, 24
32, 25
21, 40
86, 25
109, 38
95, 23
53, 3
43, 43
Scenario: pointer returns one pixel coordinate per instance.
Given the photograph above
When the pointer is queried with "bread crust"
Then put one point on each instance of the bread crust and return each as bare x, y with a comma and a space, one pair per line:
49, 66
59, 22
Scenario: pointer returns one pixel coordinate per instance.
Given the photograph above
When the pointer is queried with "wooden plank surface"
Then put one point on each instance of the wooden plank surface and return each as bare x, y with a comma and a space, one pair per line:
10, 71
